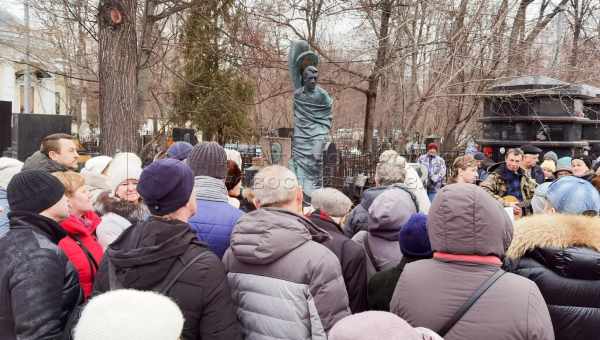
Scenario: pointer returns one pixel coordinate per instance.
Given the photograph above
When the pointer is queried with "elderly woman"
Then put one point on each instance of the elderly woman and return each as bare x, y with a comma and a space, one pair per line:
330, 207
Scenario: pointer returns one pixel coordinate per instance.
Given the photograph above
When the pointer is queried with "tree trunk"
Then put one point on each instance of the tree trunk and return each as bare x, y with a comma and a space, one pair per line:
382, 50
117, 50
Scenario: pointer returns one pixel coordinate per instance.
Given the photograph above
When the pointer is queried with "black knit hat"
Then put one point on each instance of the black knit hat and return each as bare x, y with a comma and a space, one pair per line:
34, 191
208, 159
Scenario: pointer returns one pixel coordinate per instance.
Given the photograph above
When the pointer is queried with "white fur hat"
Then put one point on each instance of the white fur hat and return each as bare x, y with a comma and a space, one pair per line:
96, 165
8, 168
128, 314
234, 155
123, 166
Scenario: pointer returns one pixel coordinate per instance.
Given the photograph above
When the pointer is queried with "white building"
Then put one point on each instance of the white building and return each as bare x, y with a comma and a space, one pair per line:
47, 92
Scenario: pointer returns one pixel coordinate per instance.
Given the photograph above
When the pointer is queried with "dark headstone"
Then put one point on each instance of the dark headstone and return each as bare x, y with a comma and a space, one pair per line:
5, 125
185, 135
29, 130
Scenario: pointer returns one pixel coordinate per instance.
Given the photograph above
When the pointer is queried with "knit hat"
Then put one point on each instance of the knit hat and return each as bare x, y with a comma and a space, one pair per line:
166, 185
235, 156
179, 150
414, 240
8, 168
432, 146
208, 159
551, 155
123, 166
128, 314
96, 165
34, 191
563, 164
479, 156
548, 165
573, 195
377, 325
331, 201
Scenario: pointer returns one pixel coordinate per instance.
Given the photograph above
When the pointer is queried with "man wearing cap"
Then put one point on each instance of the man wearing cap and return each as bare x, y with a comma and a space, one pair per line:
38, 286
150, 254
436, 169
507, 181
530, 163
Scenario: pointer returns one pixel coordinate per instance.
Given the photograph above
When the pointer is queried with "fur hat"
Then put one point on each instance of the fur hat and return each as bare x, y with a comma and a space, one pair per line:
331, 201
128, 314
8, 168
377, 325
123, 166
234, 155
96, 165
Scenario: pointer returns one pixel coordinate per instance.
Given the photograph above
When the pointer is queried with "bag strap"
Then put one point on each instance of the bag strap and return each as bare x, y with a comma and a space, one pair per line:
175, 277
90, 257
470, 302
370, 253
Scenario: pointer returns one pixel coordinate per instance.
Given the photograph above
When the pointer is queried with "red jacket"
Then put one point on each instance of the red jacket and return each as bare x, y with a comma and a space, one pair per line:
81, 237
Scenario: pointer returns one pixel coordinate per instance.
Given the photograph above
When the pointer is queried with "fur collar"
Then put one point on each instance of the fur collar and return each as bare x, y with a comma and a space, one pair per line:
554, 231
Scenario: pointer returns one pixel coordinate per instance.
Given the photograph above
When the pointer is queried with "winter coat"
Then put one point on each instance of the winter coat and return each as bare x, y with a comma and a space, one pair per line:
358, 219
351, 257
537, 174
436, 171
117, 215
381, 286
4, 209
469, 232
495, 184
284, 283
213, 224
561, 254
415, 185
82, 248
148, 254
38, 285
39, 161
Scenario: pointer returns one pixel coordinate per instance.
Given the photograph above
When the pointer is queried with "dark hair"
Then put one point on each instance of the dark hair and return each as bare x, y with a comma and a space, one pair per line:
234, 175
50, 142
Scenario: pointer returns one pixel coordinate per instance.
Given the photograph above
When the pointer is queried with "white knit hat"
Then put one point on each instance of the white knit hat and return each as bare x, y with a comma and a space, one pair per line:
8, 168
96, 165
128, 314
123, 166
331, 201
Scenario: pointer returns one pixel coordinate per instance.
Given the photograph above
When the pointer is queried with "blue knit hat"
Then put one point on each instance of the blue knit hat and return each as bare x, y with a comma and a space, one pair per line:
166, 185
179, 150
414, 241
573, 195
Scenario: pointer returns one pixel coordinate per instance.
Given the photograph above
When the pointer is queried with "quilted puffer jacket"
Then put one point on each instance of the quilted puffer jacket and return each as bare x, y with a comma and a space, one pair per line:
557, 252
284, 283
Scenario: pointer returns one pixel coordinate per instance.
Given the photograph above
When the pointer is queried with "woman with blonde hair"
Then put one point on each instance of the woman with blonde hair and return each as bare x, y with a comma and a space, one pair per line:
464, 170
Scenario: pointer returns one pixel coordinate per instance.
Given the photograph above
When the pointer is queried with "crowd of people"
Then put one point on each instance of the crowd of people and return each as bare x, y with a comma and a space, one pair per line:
180, 249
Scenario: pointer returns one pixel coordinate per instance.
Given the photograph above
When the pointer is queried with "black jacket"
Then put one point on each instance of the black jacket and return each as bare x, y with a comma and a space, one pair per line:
556, 252
146, 253
38, 285
382, 285
352, 260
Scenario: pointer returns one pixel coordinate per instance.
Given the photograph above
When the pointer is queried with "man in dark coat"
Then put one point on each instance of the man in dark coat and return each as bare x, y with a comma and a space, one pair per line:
533, 170
331, 206
38, 286
58, 152
150, 254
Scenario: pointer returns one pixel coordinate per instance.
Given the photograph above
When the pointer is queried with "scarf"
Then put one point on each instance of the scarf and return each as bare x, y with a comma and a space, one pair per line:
210, 189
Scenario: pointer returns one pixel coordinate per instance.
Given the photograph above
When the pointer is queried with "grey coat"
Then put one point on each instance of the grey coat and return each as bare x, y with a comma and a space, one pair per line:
465, 220
284, 283
39, 161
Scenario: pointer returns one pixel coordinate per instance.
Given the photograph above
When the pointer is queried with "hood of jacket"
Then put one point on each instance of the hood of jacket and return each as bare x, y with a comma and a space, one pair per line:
466, 220
41, 224
389, 212
567, 244
74, 225
134, 213
39, 161
144, 253
264, 235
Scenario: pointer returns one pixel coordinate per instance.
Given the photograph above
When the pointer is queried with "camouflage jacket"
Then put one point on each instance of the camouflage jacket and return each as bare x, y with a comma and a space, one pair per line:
496, 186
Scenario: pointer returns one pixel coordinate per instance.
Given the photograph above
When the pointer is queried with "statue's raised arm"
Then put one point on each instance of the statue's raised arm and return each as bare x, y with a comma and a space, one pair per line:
312, 117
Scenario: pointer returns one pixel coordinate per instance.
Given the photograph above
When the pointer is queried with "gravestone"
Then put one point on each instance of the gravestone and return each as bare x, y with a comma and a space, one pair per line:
29, 130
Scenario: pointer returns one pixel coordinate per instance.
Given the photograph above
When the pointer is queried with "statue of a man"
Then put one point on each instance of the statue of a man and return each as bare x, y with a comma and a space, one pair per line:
312, 118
